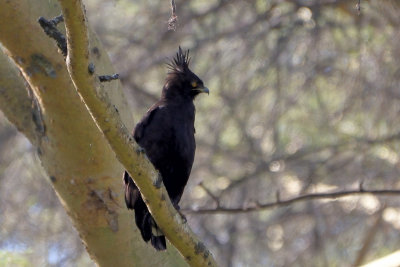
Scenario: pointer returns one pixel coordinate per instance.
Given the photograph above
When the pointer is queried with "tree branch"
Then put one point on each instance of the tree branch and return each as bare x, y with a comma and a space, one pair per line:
174, 18
358, 7
126, 150
15, 102
208, 191
305, 197
369, 237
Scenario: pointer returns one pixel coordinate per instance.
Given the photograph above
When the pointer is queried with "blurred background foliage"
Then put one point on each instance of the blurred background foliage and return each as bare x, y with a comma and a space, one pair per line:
305, 97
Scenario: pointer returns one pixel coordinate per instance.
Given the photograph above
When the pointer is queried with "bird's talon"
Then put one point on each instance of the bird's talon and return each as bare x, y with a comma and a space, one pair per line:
176, 206
140, 150
182, 216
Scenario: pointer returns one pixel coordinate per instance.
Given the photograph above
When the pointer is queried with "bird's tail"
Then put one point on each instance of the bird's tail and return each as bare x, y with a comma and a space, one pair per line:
144, 221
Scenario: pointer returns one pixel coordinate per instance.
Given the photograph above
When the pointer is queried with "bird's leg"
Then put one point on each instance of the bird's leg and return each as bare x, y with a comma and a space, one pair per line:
140, 150
178, 209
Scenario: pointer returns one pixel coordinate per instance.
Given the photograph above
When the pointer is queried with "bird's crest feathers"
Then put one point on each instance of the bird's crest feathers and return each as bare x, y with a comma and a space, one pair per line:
181, 62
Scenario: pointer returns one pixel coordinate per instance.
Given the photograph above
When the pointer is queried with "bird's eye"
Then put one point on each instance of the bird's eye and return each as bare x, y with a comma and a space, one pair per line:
194, 84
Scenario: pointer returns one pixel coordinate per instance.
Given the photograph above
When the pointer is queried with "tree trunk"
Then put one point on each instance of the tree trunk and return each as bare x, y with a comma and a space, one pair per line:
81, 165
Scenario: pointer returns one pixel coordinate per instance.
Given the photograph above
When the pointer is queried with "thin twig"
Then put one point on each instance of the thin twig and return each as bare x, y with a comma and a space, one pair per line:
214, 197
358, 6
49, 27
172, 22
57, 19
369, 237
280, 202
108, 78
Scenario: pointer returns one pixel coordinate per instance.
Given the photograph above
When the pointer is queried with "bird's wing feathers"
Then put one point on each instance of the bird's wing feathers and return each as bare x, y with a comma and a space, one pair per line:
132, 193
146, 120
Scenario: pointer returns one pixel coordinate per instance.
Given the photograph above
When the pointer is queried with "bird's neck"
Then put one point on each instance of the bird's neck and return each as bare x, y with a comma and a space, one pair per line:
182, 107
180, 103
173, 97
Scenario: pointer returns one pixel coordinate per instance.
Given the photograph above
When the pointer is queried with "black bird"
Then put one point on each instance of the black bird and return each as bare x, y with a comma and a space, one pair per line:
166, 133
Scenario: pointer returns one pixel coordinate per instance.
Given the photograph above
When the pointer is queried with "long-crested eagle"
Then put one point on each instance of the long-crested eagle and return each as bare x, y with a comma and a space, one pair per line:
166, 133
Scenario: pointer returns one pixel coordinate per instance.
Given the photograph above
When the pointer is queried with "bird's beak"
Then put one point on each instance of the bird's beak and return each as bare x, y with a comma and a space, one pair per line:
204, 90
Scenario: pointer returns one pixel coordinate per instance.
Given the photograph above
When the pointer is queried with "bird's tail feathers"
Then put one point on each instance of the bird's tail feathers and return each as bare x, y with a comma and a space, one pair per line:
144, 221
149, 229
157, 237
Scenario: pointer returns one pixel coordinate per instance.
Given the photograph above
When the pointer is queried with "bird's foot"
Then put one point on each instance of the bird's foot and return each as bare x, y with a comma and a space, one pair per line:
140, 150
178, 209
182, 216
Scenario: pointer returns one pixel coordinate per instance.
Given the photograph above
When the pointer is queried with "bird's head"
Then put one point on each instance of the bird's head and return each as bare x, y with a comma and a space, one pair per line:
181, 82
